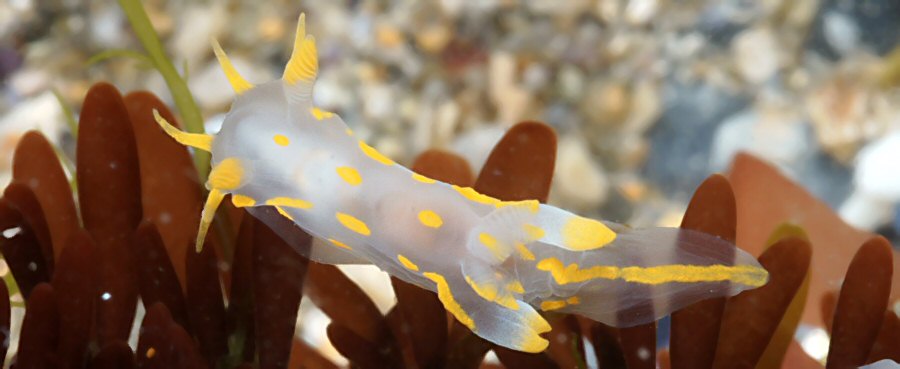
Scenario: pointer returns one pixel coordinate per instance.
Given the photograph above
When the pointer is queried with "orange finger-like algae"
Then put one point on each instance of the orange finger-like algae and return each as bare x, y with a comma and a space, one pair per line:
109, 192
751, 318
170, 191
40, 329
278, 281
695, 329
205, 306
75, 283
861, 305
36, 165
767, 199
157, 281
21, 198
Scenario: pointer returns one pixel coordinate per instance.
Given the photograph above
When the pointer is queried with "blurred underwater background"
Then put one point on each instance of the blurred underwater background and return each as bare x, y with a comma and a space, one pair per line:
797, 103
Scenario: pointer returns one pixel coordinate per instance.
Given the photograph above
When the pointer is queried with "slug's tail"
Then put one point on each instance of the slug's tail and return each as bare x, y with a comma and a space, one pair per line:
644, 274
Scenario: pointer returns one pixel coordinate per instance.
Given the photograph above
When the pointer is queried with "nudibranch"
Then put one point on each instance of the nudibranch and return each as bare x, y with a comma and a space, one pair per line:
492, 263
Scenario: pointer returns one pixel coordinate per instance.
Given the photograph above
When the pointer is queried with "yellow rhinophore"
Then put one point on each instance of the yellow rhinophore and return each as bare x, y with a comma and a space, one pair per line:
304, 63
225, 176
238, 83
446, 297
196, 140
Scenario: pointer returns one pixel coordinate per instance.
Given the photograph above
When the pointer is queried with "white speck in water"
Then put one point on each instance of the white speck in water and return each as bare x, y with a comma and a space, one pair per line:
106, 296
643, 353
165, 218
113, 164
813, 340
32, 266
561, 338
11, 232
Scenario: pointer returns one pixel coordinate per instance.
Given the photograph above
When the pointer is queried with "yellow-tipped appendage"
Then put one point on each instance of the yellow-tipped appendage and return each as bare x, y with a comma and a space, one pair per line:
238, 83
225, 176
196, 140
304, 63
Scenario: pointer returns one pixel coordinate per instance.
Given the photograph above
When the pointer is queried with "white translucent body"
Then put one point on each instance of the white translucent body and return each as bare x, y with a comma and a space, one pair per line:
388, 200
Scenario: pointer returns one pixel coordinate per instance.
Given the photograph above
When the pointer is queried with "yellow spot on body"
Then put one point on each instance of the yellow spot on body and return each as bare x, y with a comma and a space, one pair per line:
320, 114
420, 178
349, 175
339, 244
284, 213
574, 300
515, 286
488, 292
491, 293
743, 274
151, 352
349, 132
374, 154
550, 305
195, 140
407, 263
289, 202
353, 224
534, 232
489, 241
586, 234
226, 175
304, 64
238, 83
281, 140
430, 219
450, 303
524, 252
242, 200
